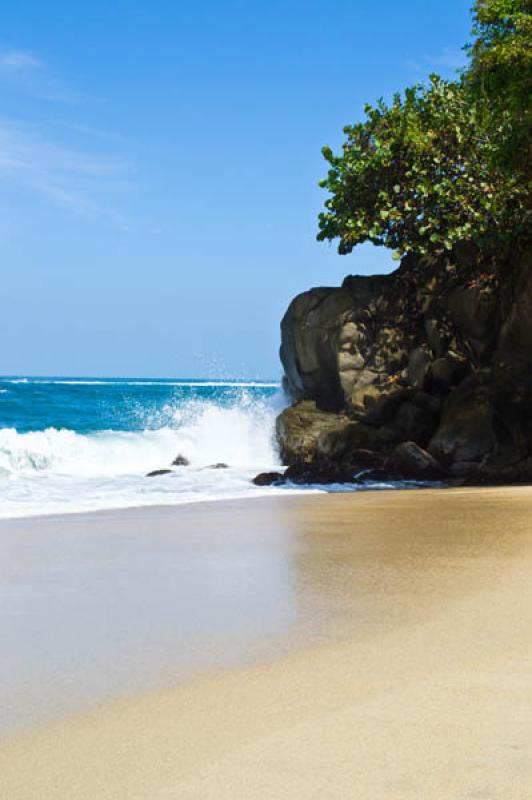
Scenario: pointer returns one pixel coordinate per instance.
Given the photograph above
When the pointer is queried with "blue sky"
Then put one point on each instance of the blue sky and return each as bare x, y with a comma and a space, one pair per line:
159, 164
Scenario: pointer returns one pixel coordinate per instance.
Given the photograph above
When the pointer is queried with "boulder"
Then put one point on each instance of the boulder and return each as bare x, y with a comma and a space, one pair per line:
341, 444
268, 478
473, 311
180, 461
310, 337
496, 475
448, 371
466, 432
154, 473
361, 459
412, 421
418, 367
410, 462
377, 402
300, 427
320, 473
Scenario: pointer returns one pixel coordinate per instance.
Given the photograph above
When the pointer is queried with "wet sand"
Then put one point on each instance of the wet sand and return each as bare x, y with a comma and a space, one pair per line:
375, 646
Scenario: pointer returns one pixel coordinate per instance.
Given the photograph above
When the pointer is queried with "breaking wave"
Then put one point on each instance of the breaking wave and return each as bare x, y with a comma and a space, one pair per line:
56, 470
203, 432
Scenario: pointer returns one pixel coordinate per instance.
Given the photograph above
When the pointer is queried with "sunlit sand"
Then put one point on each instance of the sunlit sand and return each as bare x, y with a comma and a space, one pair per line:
374, 646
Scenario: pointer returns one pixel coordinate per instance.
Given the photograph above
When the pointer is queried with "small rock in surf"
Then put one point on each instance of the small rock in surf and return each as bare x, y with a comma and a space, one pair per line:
267, 478
156, 472
180, 461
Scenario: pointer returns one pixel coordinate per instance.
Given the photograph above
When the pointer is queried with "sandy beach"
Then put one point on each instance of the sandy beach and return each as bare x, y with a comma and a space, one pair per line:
375, 646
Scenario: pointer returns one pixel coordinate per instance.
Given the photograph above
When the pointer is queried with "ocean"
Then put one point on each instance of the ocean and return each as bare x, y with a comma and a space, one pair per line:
81, 444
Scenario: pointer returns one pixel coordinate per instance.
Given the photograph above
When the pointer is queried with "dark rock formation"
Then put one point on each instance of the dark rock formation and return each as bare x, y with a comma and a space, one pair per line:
156, 472
218, 465
409, 461
429, 369
180, 461
323, 472
268, 478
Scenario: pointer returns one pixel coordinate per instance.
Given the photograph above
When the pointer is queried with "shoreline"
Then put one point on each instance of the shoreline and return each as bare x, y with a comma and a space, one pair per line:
376, 638
287, 491
295, 492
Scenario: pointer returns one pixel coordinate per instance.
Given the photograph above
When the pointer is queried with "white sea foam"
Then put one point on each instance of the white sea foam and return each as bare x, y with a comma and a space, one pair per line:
203, 432
59, 471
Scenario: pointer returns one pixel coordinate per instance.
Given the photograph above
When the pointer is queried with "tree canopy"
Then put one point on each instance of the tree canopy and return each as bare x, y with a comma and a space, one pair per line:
500, 74
445, 160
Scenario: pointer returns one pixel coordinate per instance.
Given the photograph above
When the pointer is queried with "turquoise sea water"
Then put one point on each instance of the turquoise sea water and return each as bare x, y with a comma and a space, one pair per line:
76, 444
86, 405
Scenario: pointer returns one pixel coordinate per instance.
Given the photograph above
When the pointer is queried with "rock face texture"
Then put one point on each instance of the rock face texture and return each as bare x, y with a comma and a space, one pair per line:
428, 370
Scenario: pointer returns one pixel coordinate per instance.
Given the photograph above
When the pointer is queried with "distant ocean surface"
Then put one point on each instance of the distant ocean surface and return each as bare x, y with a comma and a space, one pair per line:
80, 444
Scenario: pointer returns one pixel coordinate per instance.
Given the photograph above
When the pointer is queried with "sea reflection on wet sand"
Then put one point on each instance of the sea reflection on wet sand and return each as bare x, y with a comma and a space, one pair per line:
109, 604
378, 560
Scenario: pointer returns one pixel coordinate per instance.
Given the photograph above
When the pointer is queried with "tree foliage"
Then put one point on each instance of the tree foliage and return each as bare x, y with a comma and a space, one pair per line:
444, 161
500, 75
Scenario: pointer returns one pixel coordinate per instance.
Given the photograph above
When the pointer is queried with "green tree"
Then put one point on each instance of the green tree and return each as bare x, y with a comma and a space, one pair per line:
433, 167
500, 75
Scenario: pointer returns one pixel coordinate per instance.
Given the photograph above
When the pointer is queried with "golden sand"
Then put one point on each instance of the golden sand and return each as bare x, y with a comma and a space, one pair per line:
407, 674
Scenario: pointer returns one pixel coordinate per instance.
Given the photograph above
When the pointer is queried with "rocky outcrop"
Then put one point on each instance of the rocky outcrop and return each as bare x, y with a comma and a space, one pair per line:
428, 368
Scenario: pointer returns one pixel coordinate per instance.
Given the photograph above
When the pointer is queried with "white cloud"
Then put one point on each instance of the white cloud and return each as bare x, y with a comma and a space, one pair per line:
73, 178
51, 152
51, 158
18, 60
30, 75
